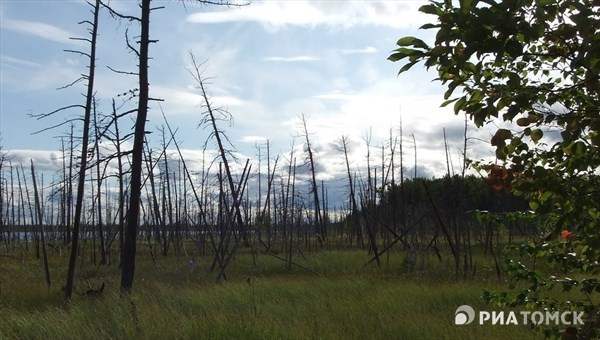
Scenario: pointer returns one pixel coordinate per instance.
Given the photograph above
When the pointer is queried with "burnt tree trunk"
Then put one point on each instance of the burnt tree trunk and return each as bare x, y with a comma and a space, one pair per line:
83, 162
130, 235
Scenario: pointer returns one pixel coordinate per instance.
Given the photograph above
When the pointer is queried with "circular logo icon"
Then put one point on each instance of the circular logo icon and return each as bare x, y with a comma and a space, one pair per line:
464, 315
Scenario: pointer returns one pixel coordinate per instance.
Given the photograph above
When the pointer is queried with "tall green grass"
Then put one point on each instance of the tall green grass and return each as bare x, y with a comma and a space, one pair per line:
342, 300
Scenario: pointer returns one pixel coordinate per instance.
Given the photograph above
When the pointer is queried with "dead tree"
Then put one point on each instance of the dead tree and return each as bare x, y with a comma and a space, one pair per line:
40, 223
319, 226
367, 201
137, 153
356, 228
69, 199
142, 54
117, 140
99, 177
84, 143
2, 161
211, 116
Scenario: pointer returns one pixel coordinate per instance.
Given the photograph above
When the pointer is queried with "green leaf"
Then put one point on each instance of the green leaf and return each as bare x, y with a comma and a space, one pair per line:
513, 79
476, 96
459, 104
469, 66
453, 84
442, 35
428, 26
536, 135
440, 50
533, 205
513, 48
579, 148
411, 41
522, 122
407, 67
396, 56
501, 153
449, 101
500, 136
467, 5
406, 41
402, 53
428, 9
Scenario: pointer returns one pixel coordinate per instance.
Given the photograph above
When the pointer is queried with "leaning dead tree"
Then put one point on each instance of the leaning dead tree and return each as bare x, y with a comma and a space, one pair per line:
319, 224
211, 116
40, 223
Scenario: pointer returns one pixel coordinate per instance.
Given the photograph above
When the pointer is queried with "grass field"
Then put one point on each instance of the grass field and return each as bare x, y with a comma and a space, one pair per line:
341, 299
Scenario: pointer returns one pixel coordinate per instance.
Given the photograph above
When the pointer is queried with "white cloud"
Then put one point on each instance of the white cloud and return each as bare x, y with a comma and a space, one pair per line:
43, 160
333, 96
253, 139
7, 61
339, 78
178, 101
292, 59
42, 30
277, 14
27, 76
368, 49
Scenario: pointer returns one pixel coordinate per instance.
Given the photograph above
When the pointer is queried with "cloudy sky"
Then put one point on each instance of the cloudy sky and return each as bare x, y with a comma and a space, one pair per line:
269, 63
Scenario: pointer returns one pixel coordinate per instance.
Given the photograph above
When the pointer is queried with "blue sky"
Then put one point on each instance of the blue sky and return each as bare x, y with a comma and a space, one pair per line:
271, 62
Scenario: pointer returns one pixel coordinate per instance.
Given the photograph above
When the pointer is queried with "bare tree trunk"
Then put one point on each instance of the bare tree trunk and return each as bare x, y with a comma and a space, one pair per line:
318, 218
415, 144
447, 156
31, 214
40, 223
83, 161
158, 219
167, 202
1, 191
21, 210
353, 206
130, 244
70, 185
117, 143
202, 214
368, 201
292, 222
464, 153
403, 213
234, 214
99, 176
63, 198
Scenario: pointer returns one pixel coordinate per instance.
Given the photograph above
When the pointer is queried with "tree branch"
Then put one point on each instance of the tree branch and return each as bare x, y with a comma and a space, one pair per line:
44, 115
114, 13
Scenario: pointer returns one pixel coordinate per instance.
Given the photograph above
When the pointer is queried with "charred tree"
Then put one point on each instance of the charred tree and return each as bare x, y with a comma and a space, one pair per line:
84, 146
319, 226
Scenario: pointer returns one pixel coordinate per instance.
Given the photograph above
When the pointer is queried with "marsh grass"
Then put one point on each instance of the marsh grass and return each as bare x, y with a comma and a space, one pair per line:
342, 300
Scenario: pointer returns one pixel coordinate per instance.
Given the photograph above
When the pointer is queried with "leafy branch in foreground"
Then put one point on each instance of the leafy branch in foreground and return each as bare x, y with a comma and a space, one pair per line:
536, 64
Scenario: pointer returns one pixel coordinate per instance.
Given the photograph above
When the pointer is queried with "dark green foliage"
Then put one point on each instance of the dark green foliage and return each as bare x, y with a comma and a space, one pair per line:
535, 64
454, 194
